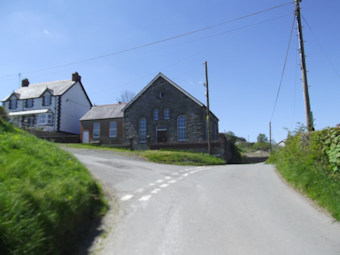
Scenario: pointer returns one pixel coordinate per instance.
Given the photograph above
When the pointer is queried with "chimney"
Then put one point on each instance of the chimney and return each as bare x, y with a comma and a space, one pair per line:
76, 77
25, 83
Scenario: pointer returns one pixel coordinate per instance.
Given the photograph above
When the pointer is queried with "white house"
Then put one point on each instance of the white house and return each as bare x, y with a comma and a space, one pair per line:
50, 106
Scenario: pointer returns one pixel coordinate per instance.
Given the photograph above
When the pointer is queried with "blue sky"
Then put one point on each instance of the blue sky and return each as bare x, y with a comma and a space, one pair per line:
245, 57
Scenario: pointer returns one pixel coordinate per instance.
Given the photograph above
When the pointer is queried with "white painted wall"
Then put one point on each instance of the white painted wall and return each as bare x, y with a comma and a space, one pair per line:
74, 105
37, 105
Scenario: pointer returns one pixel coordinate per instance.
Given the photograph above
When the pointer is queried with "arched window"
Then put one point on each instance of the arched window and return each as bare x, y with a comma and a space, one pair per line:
166, 113
181, 128
156, 114
142, 130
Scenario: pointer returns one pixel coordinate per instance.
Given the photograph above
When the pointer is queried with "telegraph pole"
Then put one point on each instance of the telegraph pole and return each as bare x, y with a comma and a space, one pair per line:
309, 118
270, 136
208, 110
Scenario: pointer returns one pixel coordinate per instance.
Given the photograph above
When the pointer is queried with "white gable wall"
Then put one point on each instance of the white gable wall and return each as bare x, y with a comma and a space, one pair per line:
74, 105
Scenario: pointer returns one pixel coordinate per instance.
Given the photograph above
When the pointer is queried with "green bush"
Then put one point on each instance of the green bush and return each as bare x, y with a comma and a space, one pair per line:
311, 162
46, 196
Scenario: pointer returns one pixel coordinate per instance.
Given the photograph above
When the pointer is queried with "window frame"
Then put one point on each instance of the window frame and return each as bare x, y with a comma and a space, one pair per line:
113, 130
96, 129
13, 101
156, 114
142, 128
181, 128
45, 119
167, 113
47, 99
29, 103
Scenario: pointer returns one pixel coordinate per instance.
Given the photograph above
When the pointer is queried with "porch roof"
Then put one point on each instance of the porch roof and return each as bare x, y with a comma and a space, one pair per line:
21, 113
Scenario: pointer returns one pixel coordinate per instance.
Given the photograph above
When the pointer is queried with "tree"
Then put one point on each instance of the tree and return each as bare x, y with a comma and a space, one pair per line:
126, 96
3, 113
262, 142
262, 138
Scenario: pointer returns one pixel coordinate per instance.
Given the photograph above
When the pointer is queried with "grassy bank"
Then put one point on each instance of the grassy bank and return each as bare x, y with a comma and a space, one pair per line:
181, 158
47, 198
162, 156
311, 163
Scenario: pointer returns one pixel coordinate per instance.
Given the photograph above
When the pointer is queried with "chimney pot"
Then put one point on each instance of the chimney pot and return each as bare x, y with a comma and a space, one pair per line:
25, 83
76, 77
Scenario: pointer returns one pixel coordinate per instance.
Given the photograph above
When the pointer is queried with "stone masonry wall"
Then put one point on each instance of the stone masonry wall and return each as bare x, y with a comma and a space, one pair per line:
177, 102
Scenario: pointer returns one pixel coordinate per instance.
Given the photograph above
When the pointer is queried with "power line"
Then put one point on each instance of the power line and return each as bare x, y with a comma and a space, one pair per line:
322, 48
159, 41
283, 69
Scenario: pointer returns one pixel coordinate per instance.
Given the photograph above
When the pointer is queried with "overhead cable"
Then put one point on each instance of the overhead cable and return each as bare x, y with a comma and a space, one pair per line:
283, 69
157, 42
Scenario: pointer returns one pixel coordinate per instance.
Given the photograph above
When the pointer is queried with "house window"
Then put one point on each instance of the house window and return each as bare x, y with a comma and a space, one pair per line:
142, 130
45, 119
29, 103
13, 103
161, 95
113, 129
96, 130
156, 114
47, 100
166, 113
181, 128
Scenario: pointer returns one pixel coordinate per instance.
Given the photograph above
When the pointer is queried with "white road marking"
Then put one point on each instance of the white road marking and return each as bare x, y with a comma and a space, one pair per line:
127, 197
139, 190
151, 184
172, 181
164, 185
145, 198
159, 181
155, 191
168, 177
185, 175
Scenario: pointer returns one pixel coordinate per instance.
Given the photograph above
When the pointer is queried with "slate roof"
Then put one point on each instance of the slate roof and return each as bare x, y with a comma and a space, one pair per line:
57, 88
168, 80
109, 111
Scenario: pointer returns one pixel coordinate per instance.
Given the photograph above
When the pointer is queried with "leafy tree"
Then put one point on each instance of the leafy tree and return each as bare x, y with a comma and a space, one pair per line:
262, 138
262, 142
3, 113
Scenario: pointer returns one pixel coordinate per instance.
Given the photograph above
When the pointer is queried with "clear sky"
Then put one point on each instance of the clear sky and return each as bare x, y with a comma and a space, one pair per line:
47, 41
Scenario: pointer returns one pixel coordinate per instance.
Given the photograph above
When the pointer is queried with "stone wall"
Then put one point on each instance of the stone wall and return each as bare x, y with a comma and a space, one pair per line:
161, 95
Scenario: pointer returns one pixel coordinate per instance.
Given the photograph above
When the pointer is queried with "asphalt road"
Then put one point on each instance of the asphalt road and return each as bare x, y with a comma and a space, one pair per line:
232, 209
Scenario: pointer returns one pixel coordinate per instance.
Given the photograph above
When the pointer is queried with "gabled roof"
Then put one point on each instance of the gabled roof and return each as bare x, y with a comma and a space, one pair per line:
56, 88
109, 111
168, 80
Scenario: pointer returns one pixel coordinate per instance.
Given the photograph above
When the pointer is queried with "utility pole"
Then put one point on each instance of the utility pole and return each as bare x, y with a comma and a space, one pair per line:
309, 118
208, 110
270, 136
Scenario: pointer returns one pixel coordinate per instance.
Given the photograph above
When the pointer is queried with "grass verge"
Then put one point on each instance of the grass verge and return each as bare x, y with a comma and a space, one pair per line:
47, 198
181, 158
162, 156
305, 163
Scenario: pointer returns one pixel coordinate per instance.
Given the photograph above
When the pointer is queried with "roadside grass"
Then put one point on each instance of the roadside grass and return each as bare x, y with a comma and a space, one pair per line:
181, 158
175, 157
47, 198
305, 163
93, 146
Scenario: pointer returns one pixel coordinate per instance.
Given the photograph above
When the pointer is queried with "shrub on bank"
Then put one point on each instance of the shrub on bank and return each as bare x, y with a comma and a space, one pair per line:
311, 162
